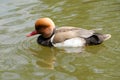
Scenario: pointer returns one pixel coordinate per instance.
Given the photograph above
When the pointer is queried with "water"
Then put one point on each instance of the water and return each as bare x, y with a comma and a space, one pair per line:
22, 58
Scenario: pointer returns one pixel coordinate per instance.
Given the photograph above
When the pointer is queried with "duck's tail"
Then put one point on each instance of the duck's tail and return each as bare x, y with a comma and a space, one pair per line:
97, 38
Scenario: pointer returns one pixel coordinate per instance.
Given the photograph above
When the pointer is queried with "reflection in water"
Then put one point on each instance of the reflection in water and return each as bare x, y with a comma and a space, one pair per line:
47, 58
22, 58
74, 50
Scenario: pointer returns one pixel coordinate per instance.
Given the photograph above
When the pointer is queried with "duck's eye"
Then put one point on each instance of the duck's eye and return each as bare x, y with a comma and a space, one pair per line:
37, 28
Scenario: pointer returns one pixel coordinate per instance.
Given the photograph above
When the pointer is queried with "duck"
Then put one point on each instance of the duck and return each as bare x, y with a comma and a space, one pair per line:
66, 36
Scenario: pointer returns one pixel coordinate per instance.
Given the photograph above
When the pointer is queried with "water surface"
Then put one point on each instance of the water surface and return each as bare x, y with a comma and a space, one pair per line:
22, 58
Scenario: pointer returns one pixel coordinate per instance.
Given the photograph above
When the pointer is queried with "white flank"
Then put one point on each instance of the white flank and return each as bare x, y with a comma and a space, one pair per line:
74, 42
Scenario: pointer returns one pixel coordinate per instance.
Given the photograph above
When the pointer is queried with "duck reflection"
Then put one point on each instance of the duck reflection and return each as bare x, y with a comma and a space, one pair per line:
46, 57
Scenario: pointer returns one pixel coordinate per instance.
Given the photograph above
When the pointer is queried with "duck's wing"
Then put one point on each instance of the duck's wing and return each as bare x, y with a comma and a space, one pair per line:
64, 33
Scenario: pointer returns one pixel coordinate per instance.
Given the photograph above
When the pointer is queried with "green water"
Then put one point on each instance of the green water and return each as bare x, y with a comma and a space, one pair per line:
22, 58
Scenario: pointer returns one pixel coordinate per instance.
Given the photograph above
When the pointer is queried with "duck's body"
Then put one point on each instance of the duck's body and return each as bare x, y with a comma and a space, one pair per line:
65, 36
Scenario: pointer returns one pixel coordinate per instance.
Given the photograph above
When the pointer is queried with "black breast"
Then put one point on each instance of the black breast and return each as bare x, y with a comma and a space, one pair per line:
44, 41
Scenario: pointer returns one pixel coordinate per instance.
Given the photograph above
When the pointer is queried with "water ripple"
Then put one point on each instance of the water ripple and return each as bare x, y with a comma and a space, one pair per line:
28, 45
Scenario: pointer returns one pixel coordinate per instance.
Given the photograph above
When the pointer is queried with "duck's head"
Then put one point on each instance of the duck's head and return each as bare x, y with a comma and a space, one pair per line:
43, 26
